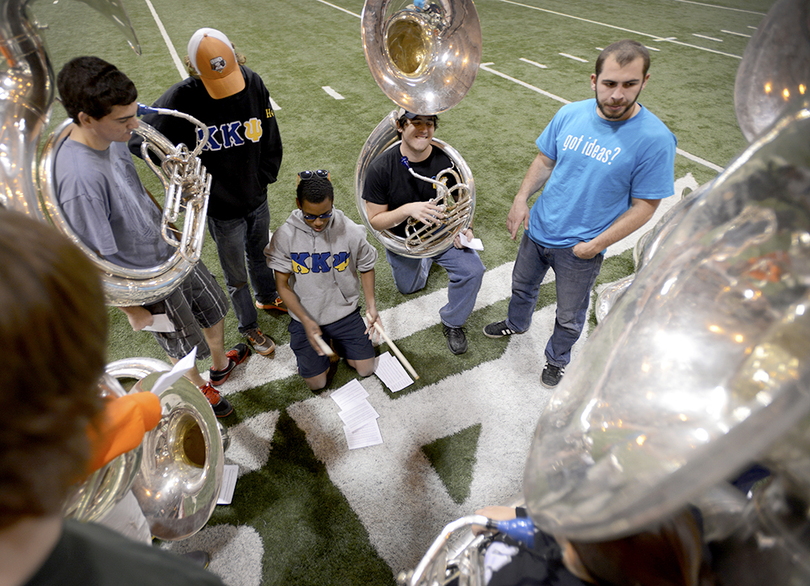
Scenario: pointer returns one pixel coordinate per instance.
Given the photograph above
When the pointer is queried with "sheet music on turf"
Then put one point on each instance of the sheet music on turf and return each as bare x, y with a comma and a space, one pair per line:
391, 372
359, 417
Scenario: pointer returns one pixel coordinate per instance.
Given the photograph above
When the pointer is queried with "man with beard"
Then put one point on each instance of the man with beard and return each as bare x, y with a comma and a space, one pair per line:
393, 195
605, 163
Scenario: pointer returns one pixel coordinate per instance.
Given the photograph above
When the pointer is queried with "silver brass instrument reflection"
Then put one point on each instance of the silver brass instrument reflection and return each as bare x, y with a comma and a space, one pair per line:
25, 108
176, 472
186, 183
453, 202
424, 56
182, 465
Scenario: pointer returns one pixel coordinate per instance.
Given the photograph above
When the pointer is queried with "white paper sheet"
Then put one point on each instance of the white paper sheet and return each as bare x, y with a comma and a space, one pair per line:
168, 379
363, 437
391, 372
475, 243
359, 415
161, 323
229, 474
349, 395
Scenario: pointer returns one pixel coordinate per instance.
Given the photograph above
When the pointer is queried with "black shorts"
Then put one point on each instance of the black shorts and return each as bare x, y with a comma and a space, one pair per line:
350, 341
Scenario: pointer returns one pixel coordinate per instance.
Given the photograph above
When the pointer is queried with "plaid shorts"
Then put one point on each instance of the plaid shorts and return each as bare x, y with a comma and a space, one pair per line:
198, 303
348, 335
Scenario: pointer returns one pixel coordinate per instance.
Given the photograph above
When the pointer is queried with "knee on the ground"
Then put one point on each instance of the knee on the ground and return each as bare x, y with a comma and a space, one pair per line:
317, 382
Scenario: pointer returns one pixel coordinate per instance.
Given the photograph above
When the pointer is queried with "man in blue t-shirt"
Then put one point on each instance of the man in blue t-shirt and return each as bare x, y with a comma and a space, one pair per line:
606, 163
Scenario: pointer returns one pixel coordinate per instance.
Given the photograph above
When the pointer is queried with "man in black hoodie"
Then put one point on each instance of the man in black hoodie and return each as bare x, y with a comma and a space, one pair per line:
243, 155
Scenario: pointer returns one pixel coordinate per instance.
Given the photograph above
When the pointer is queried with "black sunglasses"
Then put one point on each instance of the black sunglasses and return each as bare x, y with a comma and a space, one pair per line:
322, 173
325, 216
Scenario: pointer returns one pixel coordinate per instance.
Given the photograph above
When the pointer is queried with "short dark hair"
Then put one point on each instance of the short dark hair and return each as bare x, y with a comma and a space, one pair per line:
404, 118
93, 86
314, 190
623, 52
53, 327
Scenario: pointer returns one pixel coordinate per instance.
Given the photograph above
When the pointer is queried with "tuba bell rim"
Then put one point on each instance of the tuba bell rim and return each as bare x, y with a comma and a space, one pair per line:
176, 496
445, 76
122, 286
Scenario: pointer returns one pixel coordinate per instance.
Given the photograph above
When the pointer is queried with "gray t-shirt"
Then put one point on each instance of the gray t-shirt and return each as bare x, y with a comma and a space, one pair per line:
105, 203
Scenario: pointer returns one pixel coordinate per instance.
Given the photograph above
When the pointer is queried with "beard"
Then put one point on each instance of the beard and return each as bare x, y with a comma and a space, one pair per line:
610, 115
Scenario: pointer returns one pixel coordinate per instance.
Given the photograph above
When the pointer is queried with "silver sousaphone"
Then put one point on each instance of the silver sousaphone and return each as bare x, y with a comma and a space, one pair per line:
176, 471
424, 56
26, 101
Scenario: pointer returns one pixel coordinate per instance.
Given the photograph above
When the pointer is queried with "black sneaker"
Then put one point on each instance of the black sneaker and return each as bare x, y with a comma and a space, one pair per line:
236, 355
498, 329
220, 405
456, 340
552, 375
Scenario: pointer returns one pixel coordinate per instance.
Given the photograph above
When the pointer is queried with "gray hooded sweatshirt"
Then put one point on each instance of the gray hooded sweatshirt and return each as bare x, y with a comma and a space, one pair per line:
323, 266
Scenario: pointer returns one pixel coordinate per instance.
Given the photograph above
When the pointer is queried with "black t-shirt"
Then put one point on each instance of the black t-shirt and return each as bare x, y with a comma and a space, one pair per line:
388, 181
92, 554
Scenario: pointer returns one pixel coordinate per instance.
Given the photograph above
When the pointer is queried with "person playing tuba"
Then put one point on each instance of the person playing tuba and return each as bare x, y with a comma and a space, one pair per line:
106, 205
394, 196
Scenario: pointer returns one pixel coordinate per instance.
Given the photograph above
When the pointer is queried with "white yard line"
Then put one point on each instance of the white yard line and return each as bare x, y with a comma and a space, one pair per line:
656, 38
719, 7
178, 63
332, 92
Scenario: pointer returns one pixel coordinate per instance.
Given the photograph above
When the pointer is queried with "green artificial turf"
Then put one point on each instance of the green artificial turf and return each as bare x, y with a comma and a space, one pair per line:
453, 457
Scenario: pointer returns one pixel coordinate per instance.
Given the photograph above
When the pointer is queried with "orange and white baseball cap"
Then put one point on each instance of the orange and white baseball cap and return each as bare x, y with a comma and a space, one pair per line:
211, 54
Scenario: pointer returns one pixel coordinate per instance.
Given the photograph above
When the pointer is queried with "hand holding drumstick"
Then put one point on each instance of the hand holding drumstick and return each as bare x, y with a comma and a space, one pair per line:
391, 345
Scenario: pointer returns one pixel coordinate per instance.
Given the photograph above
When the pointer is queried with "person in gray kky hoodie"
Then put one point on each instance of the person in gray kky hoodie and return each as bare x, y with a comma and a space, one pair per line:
318, 255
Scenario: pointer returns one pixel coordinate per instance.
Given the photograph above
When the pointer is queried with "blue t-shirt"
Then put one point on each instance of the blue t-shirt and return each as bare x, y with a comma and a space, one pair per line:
600, 166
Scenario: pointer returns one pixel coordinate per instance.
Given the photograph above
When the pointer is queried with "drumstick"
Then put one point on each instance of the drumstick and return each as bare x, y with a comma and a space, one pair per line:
324, 346
393, 347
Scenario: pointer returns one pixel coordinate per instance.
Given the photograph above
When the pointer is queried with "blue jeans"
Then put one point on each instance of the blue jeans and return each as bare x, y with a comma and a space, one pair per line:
239, 241
574, 280
464, 269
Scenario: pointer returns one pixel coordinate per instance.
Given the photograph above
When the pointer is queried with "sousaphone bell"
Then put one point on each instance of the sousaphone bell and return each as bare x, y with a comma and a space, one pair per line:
424, 56
175, 473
